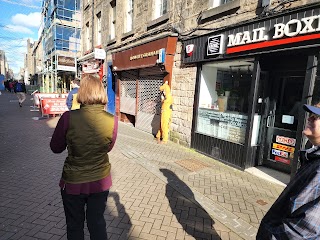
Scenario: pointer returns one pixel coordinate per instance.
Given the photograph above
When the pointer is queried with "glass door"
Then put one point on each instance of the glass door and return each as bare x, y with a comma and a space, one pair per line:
283, 93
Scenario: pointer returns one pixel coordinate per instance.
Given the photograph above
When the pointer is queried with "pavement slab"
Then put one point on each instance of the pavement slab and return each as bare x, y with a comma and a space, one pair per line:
159, 191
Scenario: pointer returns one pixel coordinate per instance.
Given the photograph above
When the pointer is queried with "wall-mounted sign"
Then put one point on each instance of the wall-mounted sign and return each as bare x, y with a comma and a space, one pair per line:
189, 49
162, 55
144, 55
66, 64
99, 53
91, 66
215, 45
295, 30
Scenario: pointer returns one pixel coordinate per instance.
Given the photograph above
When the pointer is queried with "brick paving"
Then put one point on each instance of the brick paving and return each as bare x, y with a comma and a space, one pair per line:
158, 192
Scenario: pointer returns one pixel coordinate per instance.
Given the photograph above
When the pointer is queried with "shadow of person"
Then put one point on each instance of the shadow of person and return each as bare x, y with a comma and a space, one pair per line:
192, 217
117, 217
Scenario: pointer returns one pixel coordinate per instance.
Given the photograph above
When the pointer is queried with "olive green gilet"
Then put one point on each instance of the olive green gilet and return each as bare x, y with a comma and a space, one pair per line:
89, 135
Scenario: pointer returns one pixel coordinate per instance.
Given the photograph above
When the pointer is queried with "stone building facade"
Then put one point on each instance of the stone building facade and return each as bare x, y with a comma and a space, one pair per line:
3, 63
184, 19
29, 64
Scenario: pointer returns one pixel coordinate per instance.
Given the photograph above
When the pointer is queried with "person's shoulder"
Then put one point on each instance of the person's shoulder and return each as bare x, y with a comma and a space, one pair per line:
74, 90
66, 114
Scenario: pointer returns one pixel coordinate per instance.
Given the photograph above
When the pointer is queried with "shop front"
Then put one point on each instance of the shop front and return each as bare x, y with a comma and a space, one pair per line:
140, 71
251, 84
93, 63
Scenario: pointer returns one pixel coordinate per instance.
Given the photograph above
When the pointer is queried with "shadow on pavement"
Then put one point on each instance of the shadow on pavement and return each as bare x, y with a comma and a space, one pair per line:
118, 218
192, 217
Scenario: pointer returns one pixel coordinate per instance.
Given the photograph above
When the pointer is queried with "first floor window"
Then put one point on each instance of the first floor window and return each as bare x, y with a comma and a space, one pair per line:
112, 22
98, 36
217, 3
161, 8
129, 16
223, 100
87, 39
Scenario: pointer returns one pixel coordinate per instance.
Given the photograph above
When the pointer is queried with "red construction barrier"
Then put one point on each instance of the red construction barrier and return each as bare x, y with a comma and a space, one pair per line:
38, 96
53, 106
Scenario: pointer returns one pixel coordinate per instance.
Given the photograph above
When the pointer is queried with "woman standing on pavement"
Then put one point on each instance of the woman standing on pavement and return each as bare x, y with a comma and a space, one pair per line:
89, 133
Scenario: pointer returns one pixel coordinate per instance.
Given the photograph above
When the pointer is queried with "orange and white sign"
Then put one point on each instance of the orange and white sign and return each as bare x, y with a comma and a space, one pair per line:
286, 140
282, 147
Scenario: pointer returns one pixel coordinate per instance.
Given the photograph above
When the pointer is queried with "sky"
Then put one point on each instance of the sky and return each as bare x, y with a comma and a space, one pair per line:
19, 21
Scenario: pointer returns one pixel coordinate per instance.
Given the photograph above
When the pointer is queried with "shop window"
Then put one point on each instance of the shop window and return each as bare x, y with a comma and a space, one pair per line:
161, 8
112, 21
223, 100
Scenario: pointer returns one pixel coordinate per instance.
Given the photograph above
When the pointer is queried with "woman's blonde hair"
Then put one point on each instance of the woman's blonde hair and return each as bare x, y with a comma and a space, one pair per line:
91, 91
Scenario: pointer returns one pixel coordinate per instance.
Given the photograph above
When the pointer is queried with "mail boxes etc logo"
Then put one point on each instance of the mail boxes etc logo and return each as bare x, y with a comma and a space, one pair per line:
215, 45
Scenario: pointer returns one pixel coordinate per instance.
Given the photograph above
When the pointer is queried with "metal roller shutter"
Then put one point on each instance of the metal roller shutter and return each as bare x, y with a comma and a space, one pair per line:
128, 89
149, 103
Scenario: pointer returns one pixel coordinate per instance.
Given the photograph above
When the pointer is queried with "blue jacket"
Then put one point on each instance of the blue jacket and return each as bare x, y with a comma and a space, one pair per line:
70, 97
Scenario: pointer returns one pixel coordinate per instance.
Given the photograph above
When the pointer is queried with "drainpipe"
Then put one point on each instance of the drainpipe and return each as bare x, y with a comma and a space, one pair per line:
92, 46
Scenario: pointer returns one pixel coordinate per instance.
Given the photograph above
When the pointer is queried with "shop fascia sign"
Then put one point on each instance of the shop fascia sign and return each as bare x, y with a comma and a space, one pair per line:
215, 45
66, 64
161, 55
91, 66
291, 29
99, 53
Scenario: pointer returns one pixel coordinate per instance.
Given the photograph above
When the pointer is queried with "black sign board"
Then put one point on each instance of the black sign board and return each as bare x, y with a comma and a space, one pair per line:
214, 46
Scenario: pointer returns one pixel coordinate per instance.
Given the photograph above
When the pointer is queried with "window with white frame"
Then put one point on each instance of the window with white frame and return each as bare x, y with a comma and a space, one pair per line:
87, 38
161, 8
112, 22
98, 30
129, 16
217, 3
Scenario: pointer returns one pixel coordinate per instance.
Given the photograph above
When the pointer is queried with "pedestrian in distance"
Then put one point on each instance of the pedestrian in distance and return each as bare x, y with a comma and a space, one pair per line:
72, 102
11, 86
296, 213
88, 133
6, 85
20, 90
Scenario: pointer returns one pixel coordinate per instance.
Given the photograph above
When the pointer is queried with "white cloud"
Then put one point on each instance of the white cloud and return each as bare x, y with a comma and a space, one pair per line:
19, 29
30, 2
30, 20
25, 3
15, 51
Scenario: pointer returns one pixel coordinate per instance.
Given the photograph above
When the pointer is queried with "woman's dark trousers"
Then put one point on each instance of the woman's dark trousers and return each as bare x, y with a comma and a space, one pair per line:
74, 209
